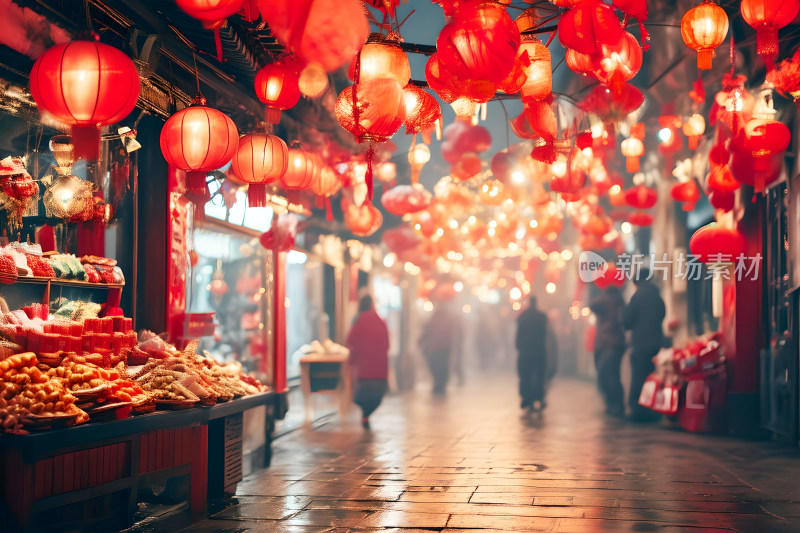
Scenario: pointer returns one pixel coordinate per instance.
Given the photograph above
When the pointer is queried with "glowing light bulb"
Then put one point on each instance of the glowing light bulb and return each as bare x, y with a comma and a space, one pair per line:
665, 135
517, 177
550, 288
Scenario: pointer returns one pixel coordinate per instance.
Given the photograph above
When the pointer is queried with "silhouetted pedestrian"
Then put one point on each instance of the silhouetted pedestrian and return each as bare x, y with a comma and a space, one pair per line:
643, 315
437, 341
368, 341
609, 348
531, 344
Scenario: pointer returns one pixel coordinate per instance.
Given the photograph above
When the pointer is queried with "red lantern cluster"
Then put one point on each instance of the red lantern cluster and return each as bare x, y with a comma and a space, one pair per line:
85, 84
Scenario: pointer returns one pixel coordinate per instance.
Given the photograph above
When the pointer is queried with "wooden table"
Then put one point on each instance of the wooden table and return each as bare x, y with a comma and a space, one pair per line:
326, 374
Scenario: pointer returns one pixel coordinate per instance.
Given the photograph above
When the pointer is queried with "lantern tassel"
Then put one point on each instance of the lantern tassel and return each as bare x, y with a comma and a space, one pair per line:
704, 59
632, 164
328, 210
257, 195
319, 201
86, 142
368, 178
218, 43
767, 41
196, 181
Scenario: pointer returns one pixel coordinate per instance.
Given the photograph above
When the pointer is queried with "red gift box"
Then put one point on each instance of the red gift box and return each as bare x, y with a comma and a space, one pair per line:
88, 342
106, 325
91, 325
127, 325
118, 323
103, 341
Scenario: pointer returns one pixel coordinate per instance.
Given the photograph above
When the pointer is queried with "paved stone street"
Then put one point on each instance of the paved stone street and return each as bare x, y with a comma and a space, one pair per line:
473, 462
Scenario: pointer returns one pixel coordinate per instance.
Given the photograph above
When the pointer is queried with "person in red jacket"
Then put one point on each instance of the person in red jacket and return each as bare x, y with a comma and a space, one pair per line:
368, 341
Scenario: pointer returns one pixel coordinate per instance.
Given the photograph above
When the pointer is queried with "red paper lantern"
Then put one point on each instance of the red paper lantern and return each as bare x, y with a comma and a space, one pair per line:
327, 183
327, 33
767, 17
720, 179
640, 218
579, 63
302, 170
467, 167
422, 110
362, 220
381, 57
763, 139
588, 26
85, 84
379, 106
641, 197
724, 200
703, 28
632, 149
694, 128
277, 86
405, 199
212, 13
618, 62
612, 106
441, 80
535, 60
714, 242
198, 139
479, 45
687, 193
260, 159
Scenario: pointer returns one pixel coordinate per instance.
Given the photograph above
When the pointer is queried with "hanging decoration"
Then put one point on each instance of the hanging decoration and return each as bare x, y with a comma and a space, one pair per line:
694, 128
302, 171
767, 17
280, 237
617, 63
212, 14
326, 185
277, 86
18, 191
327, 33
687, 193
381, 58
86, 85
363, 220
588, 26
260, 159
406, 199
641, 197
717, 244
632, 148
704, 28
313, 81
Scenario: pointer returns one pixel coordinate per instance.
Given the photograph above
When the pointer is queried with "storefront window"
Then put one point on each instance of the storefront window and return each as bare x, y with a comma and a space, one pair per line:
306, 319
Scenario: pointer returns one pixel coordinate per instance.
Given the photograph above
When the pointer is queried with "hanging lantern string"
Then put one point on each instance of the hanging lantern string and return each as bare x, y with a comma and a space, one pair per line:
196, 73
88, 16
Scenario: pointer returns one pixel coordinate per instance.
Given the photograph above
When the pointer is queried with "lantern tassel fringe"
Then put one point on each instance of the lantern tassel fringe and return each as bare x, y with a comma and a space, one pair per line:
257, 195
86, 142
196, 181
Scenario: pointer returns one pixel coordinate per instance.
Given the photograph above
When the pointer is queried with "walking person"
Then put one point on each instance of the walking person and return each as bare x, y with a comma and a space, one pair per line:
643, 315
368, 341
531, 344
436, 342
609, 348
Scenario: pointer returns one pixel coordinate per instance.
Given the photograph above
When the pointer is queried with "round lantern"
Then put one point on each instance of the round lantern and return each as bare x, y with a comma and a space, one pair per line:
632, 149
588, 26
763, 139
325, 186
535, 59
720, 179
328, 33
277, 86
703, 28
198, 139
767, 17
687, 193
85, 84
640, 218
381, 57
756, 172
422, 109
442, 81
480, 44
694, 128
362, 220
641, 197
302, 170
372, 111
579, 63
618, 62
313, 81
212, 13
405, 199
260, 159
724, 200
467, 167
714, 243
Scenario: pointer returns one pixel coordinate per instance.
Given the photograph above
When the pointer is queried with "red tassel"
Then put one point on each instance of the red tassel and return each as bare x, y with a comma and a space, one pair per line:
368, 177
86, 142
257, 195
196, 181
328, 211
218, 42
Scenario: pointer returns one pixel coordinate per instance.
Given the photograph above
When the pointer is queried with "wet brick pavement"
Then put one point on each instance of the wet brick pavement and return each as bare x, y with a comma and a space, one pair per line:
472, 462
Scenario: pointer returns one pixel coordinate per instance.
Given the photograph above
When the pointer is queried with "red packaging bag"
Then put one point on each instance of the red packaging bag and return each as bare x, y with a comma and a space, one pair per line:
667, 399
703, 406
650, 389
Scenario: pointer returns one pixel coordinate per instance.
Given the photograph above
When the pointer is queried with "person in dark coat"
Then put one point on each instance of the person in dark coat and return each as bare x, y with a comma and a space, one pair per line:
609, 348
368, 341
643, 315
437, 343
531, 344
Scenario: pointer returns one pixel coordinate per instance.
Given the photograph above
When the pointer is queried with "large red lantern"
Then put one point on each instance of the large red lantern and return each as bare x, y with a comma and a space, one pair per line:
212, 13
479, 45
588, 26
362, 220
762, 142
703, 28
260, 159
422, 110
327, 33
277, 86
767, 17
535, 60
442, 81
714, 243
85, 84
618, 62
381, 57
372, 111
198, 139
302, 171
641, 197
